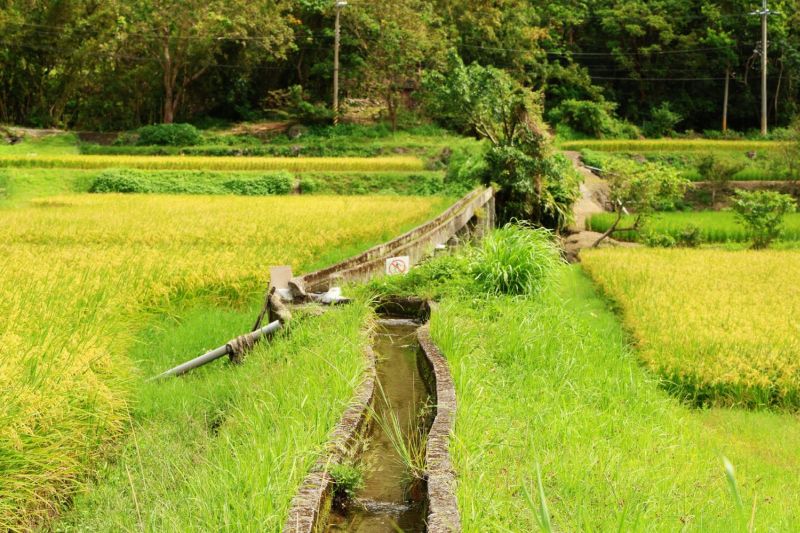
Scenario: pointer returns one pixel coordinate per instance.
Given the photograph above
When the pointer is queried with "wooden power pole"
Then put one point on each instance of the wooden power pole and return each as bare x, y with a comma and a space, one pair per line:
725, 100
764, 13
336, 37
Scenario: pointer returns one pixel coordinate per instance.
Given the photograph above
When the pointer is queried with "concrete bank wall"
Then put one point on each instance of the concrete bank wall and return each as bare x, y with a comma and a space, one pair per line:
473, 214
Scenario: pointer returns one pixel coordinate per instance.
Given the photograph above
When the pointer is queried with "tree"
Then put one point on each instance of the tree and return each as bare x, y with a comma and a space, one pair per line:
717, 173
48, 53
535, 184
639, 188
397, 41
186, 38
762, 213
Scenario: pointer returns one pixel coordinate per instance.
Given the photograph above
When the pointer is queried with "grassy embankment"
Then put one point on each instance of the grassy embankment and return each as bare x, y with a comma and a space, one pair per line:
552, 382
547, 381
345, 140
714, 226
686, 156
169, 162
54, 165
671, 145
82, 277
226, 447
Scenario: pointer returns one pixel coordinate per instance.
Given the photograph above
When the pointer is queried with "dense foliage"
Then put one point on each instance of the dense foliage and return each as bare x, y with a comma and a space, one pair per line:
658, 65
762, 212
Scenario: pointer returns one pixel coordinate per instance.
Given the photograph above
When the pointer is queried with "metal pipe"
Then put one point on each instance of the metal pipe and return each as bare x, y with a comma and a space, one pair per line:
215, 354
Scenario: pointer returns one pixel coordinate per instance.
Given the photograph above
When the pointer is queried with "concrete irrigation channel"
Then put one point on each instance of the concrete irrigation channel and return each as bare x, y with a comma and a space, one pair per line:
408, 395
397, 429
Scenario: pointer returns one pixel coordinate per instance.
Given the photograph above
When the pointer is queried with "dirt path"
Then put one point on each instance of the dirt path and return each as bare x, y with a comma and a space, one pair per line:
594, 192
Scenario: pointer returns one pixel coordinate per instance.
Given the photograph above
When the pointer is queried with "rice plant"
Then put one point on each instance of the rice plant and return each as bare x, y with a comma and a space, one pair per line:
291, 164
672, 145
719, 327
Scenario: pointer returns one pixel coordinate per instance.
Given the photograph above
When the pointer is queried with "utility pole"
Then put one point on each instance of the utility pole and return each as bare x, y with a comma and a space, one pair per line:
764, 13
725, 100
336, 35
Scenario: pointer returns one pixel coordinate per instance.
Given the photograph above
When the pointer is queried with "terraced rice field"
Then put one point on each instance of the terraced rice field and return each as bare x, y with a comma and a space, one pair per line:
720, 327
291, 164
80, 275
713, 226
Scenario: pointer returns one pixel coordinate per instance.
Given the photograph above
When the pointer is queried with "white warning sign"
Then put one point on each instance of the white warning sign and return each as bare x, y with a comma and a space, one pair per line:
398, 265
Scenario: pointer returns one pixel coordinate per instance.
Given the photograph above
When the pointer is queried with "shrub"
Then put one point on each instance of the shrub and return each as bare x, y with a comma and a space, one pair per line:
169, 135
276, 183
515, 259
308, 185
595, 119
120, 180
690, 236
662, 121
717, 173
466, 170
762, 213
659, 240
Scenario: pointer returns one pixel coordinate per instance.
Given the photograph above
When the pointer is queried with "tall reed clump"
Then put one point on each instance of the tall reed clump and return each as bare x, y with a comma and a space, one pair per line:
516, 259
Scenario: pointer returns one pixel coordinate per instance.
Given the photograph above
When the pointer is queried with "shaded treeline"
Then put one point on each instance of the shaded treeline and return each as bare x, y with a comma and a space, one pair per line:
114, 64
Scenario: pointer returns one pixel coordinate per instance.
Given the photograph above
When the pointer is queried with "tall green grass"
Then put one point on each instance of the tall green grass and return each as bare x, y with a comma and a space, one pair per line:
671, 145
226, 447
714, 226
552, 381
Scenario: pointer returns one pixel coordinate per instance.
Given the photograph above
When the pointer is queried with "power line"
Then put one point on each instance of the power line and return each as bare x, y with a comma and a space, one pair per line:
604, 54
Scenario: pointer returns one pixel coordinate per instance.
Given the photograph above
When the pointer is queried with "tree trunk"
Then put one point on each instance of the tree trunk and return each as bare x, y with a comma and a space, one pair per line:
610, 230
391, 107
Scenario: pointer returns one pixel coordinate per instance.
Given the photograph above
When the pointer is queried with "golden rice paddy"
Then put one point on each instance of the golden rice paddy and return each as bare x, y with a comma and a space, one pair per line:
720, 327
77, 275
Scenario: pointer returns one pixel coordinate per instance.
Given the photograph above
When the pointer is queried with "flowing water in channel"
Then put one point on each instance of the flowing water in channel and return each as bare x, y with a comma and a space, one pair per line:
391, 500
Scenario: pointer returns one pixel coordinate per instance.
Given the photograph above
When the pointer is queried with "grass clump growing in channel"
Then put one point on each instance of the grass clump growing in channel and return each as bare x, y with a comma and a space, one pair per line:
515, 260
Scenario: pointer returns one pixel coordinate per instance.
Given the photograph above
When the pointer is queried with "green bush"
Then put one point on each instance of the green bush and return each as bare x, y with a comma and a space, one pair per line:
659, 240
169, 135
662, 121
690, 237
268, 184
466, 170
762, 213
122, 180
308, 185
595, 119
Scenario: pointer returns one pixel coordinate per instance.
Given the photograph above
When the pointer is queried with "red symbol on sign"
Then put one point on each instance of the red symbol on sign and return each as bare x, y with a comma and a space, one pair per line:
397, 266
